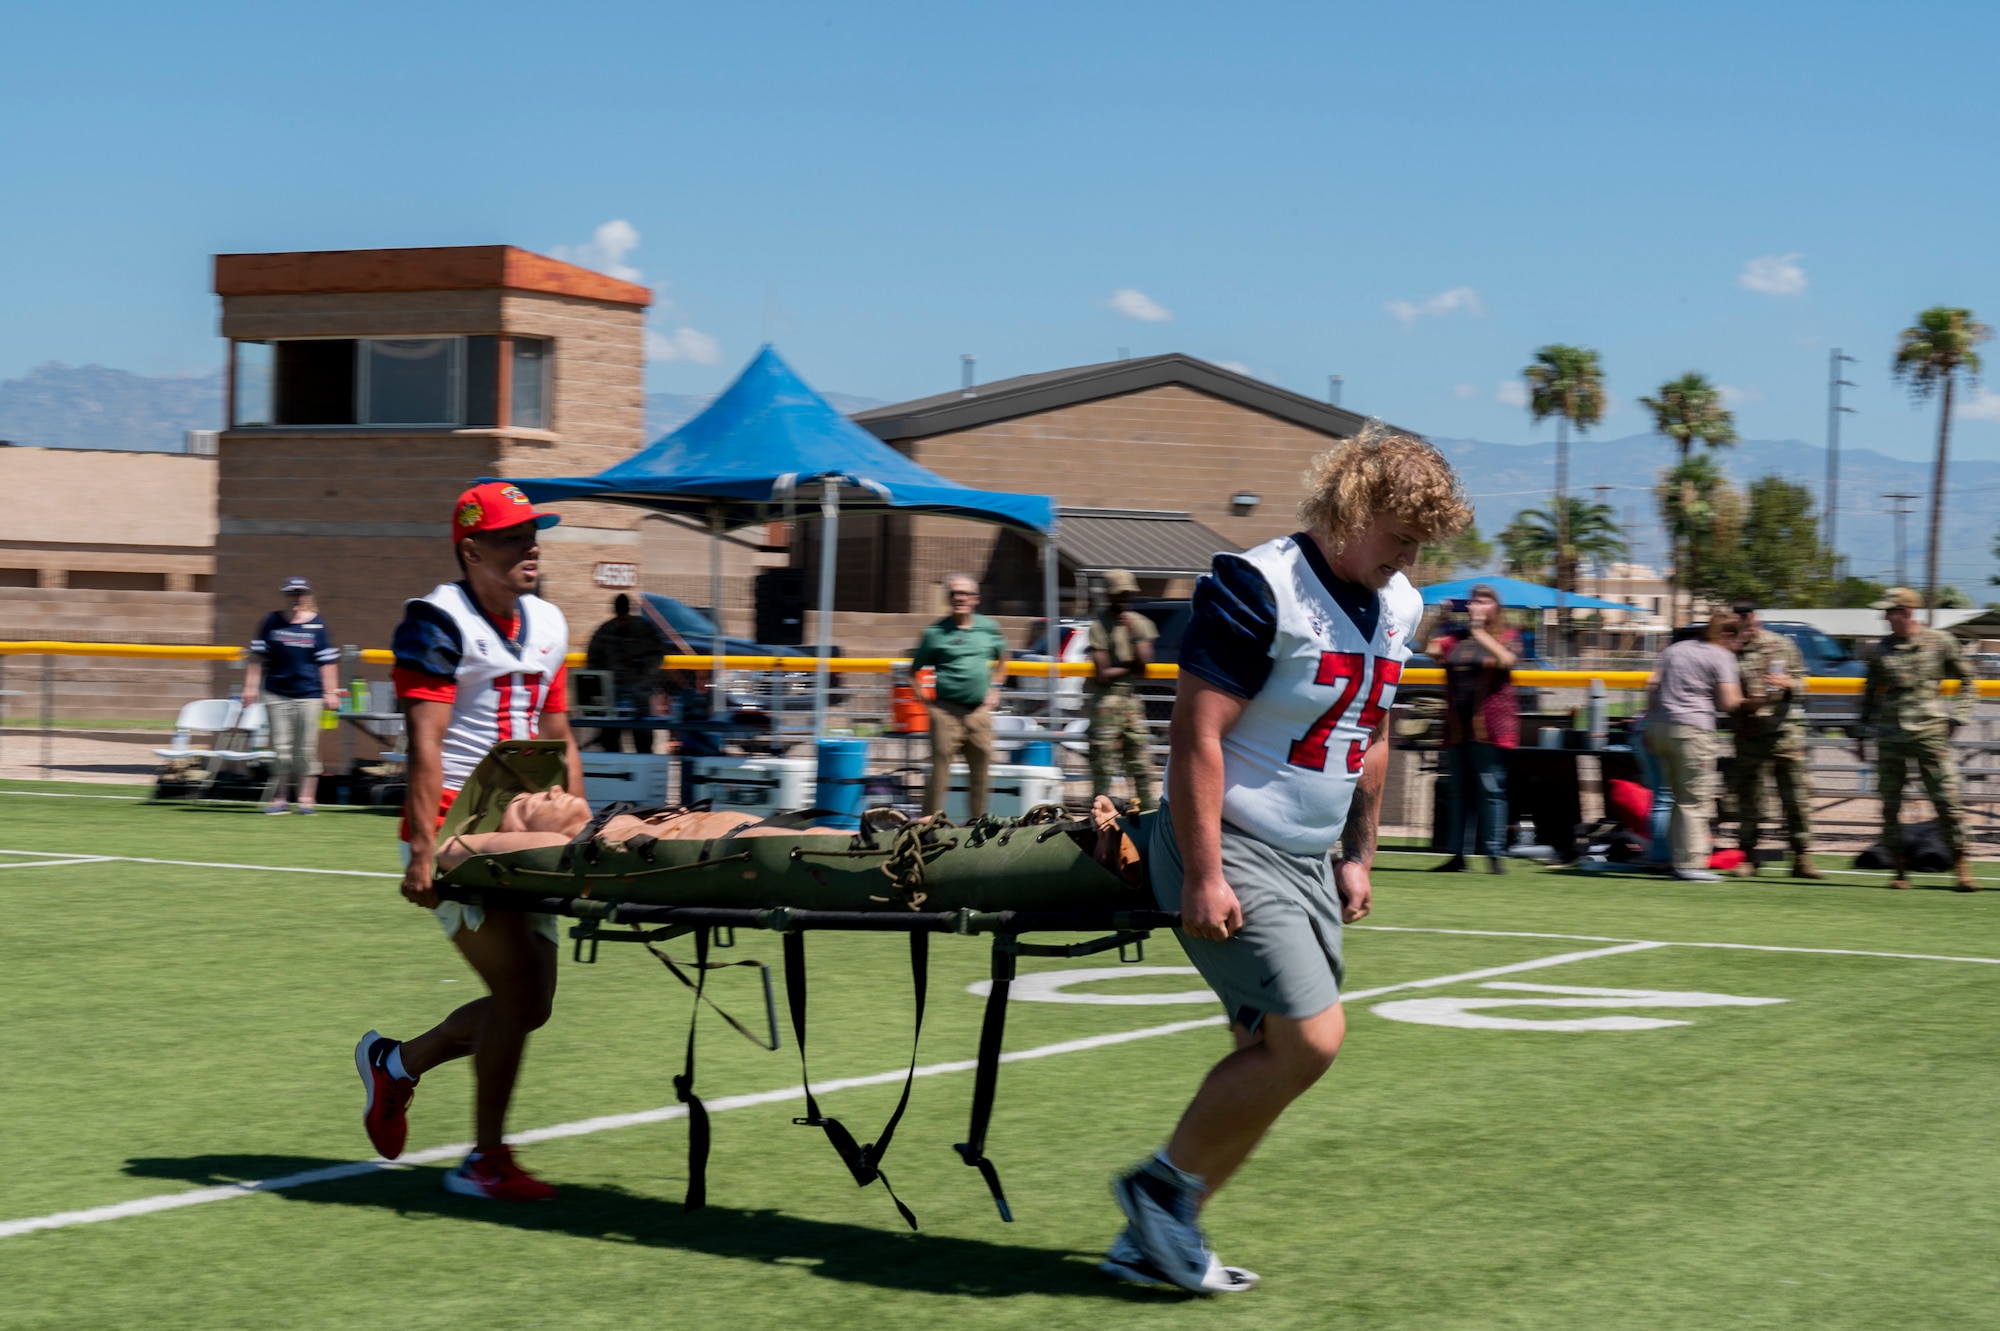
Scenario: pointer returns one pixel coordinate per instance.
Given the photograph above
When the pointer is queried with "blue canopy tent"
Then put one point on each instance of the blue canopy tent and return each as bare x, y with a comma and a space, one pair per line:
770, 441
1516, 595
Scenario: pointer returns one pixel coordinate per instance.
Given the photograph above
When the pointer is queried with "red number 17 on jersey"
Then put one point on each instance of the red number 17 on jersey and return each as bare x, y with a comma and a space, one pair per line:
1345, 671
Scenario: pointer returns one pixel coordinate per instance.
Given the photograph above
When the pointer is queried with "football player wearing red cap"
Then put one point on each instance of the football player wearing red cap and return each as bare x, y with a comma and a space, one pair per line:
477, 661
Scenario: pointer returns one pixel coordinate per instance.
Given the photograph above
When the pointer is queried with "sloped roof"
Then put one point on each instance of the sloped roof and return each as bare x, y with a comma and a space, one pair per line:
1028, 394
1144, 542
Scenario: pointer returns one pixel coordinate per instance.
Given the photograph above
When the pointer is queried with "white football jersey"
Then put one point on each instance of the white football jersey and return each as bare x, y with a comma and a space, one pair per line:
1292, 759
502, 686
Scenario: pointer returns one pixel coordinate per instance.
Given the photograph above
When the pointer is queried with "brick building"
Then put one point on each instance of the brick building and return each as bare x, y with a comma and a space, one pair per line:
1154, 463
368, 387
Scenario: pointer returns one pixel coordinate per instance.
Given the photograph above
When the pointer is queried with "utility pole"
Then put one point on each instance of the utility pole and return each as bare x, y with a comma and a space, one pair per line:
1831, 500
1899, 513
1334, 383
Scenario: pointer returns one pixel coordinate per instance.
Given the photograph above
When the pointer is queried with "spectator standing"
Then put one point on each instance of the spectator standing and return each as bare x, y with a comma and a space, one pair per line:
1482, 721
1904, 712
295, 666
970, 658
1694, 680
1121, 647
629, 646
1770, 733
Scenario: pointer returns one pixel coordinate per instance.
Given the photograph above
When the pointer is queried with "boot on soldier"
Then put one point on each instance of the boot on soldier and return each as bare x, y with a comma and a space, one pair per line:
1803, 866
1901, 881
1965, 882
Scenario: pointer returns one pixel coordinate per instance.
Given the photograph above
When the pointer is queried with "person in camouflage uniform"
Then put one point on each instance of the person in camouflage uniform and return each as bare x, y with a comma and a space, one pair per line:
630, 647
1770, 734
1121, 647
1904, 712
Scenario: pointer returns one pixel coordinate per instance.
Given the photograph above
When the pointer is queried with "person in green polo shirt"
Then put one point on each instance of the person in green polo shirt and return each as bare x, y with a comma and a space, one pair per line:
970, 657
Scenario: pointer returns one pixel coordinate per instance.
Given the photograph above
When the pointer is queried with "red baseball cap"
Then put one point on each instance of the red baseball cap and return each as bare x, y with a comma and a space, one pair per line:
493, 506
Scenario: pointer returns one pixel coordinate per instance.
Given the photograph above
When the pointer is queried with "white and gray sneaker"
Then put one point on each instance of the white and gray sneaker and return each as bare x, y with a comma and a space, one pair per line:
1125, 1262
1164, 1211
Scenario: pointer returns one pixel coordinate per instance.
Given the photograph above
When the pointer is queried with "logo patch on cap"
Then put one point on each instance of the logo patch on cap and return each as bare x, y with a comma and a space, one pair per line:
513, 495
469, 513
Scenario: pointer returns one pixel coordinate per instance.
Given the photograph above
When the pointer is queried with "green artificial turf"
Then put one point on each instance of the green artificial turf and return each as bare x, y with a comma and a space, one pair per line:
1822, 1162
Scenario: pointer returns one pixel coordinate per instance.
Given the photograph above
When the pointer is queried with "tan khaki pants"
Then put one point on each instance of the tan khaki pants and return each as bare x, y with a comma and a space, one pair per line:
1687, 764
954, 728
294, 738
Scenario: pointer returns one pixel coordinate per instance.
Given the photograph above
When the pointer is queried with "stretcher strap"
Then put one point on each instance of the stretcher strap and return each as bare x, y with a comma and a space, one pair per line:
588, 833
863, 1162
986, 1077
674, 968
697, 1189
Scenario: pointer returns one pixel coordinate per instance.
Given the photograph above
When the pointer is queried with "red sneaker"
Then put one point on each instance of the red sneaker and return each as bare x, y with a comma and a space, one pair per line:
385, 1114
494, 1176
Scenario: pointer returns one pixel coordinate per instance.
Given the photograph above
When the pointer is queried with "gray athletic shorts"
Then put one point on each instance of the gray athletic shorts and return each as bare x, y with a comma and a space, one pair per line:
1286, 958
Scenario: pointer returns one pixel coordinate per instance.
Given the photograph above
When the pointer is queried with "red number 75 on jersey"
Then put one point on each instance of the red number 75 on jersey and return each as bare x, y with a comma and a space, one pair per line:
1345, 670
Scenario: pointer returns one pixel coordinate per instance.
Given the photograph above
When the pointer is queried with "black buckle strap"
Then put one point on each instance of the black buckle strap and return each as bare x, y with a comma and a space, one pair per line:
986, 1075
587, 835
863, 1162
698, 1137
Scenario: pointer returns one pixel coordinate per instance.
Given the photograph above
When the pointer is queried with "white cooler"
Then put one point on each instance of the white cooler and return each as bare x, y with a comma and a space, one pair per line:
1013, 790
611, 777
755, 785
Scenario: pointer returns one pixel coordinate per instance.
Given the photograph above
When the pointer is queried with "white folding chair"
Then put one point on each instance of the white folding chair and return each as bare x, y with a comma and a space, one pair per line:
253, 731
215, 717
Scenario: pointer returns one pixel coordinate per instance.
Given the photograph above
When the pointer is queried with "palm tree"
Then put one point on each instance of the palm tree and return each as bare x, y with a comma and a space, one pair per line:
1930, 354
1567, 383
1560, 538
1690, 495
1688, 411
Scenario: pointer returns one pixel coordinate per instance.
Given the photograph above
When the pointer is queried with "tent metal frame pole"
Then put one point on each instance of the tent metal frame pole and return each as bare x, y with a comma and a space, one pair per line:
829, 550
1052, 639
718, 705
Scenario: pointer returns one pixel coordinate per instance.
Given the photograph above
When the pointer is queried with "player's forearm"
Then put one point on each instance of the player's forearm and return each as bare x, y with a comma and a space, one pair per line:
1358, 838
420, 802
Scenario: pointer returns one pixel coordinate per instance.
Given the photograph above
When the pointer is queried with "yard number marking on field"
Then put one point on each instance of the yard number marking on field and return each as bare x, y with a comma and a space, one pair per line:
1472, 1014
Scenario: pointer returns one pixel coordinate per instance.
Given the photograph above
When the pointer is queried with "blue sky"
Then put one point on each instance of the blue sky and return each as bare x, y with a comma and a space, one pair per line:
1411, 196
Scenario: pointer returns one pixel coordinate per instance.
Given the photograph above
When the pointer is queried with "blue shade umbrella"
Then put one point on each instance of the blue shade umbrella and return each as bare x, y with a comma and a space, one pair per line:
769, 442
1515, 595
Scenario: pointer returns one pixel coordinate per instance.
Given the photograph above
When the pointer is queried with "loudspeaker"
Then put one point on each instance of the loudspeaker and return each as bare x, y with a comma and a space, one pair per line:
781, 607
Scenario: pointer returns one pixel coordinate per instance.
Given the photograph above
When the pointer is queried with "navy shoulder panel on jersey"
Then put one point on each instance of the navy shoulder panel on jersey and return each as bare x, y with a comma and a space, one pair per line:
428, 640
1362, 604
1231, 628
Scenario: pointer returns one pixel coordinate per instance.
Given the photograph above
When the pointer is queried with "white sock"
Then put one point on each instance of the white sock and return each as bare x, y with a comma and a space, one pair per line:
1192, 1182
394, 1062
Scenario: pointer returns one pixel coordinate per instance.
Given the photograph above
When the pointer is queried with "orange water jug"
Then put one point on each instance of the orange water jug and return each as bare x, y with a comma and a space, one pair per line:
907, 713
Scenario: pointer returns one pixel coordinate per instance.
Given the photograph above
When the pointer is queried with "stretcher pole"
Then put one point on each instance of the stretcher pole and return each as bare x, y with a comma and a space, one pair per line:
1053, 638
718, 706
829, 549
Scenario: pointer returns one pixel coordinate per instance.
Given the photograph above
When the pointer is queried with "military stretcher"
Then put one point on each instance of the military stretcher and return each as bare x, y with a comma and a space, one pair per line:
514, 840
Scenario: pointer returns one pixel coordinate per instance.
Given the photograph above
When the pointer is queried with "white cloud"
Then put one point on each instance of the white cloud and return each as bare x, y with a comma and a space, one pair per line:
1513, 393
683, 344
606, 250
1981, 404
1464, 390
1732, 396
1238, 367
1458, 298
1138, 305
1774, 275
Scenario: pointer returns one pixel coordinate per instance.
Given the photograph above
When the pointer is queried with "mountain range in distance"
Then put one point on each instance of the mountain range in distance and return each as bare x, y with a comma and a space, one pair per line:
94, 406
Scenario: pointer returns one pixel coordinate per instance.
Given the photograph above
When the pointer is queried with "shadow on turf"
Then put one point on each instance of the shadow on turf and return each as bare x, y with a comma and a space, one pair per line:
890, 1259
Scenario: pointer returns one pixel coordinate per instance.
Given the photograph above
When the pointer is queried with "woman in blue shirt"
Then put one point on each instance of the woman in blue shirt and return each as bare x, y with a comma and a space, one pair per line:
294, 663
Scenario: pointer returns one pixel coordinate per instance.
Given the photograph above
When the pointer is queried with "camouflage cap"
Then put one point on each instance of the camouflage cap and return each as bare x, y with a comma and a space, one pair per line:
1900, 598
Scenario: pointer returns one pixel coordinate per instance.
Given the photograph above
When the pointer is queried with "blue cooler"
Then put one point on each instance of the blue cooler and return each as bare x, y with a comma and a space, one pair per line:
843, 772
1036, 753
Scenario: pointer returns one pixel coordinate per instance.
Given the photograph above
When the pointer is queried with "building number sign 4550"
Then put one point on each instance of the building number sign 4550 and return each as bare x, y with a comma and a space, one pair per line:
1345, 671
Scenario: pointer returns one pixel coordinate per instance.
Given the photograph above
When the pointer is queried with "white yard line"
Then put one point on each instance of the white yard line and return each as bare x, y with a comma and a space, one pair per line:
66, 795
173, 1201
54, 862
208, 864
